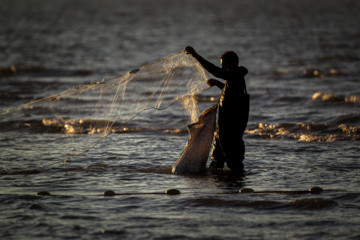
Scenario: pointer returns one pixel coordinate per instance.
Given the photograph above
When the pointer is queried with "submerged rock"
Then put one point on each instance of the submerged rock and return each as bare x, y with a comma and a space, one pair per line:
172, 192
315, 190
109, 193
246, 190
75, 227
43, 193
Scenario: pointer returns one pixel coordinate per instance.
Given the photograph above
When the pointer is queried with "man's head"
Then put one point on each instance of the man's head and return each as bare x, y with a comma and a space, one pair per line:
229, 60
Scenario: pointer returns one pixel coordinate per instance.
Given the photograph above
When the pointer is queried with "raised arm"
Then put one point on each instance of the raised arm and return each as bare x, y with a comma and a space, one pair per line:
213, 82
211, 68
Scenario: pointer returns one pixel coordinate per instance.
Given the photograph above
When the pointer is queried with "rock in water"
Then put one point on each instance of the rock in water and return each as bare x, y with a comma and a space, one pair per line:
315, 190
43, 193
109, 193
172, 192
246, 190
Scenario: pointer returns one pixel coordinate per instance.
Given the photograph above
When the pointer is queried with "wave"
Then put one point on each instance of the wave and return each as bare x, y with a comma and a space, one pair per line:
80, 126
310, 73
302, 131
344, 128
329, 97
41, 71
302, 204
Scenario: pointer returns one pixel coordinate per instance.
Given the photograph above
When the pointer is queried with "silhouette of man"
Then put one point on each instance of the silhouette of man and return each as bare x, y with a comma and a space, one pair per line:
233, 110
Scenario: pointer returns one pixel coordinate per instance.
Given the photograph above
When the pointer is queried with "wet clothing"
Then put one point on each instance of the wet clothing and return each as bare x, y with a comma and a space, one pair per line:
232, 117
229, 146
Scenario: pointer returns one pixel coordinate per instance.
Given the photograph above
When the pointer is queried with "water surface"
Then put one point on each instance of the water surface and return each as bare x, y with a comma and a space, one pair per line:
303, 130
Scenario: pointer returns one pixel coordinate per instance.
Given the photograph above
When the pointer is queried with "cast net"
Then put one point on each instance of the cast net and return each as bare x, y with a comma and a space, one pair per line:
75, 121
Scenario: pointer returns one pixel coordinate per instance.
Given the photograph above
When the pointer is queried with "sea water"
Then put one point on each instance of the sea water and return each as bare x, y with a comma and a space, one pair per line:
303, 131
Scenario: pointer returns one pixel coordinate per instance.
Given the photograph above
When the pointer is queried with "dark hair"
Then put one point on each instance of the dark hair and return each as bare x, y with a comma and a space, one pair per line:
230, 57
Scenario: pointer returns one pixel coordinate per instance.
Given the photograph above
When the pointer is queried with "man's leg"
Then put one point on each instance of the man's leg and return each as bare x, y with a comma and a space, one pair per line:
217, 156
235, 157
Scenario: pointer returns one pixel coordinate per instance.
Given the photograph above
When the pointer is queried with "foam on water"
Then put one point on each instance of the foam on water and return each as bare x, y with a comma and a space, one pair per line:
328, 97
309, 132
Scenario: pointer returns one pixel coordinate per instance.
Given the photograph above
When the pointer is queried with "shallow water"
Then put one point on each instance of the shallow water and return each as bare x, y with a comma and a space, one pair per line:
303, 131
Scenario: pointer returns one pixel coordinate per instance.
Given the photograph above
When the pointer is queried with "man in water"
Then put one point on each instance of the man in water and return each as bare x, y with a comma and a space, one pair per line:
233, 110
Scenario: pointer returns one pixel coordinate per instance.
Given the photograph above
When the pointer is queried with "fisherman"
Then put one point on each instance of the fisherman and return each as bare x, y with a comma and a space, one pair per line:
233, 113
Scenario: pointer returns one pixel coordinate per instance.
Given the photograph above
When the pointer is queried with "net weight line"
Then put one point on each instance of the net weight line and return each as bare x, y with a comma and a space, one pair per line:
109, 193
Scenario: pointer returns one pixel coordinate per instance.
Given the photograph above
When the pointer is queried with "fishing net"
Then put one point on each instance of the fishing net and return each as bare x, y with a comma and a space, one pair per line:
77, 120
196, 152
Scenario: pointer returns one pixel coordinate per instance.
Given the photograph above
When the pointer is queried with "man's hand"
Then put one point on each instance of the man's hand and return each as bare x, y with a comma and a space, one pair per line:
190, 50
211, 82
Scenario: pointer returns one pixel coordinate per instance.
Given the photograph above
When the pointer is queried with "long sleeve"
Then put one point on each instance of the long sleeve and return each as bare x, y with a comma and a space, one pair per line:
211, 68
218, 72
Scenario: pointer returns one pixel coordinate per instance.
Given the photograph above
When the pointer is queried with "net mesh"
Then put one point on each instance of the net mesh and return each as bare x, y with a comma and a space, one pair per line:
85, 115
196, 153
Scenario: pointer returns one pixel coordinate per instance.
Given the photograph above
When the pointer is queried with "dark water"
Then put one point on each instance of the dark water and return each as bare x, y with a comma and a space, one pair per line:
303, 131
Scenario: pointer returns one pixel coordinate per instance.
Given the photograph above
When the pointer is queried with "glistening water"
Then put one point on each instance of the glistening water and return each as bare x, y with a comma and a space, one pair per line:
303, 131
